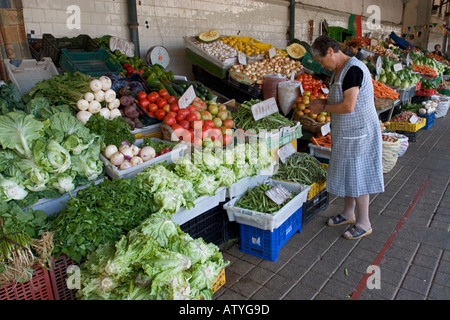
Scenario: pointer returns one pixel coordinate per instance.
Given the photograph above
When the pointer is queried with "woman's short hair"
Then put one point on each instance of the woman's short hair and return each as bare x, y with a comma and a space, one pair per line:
320, 46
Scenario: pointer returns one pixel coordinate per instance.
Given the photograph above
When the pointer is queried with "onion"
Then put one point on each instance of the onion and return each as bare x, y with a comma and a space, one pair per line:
125, 165
106, 83
94, 107
136, 160
110, 95
96, 85
114, 104
89, 96
135, 150
105, 113
117, 158
99, 96
110, 150
147, 153
83, 116
82, 105
114, 114
127, 152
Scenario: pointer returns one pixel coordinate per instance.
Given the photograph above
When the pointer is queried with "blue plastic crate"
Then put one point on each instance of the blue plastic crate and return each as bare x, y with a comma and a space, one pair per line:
430, 120
266, 244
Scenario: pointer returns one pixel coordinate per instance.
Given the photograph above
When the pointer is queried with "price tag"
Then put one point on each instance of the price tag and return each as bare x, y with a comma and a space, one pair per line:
398, 67
373, 42
325, 90
325, 129
187, 97
301, 89
413, 119
378, 65
264, 109
272, 52
242, 58
124, 46
286, 151
278, 194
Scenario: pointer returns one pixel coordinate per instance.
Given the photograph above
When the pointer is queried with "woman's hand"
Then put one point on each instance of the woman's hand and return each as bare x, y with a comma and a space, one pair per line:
316, 106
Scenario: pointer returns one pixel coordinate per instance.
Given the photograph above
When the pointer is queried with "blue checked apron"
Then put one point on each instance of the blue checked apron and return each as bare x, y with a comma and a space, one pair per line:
355, 166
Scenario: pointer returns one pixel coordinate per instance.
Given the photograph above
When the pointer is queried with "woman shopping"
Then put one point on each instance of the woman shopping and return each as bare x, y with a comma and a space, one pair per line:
355, 170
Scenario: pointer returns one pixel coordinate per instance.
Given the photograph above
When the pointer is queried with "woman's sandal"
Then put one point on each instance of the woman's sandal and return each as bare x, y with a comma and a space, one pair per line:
339, 221
355, 232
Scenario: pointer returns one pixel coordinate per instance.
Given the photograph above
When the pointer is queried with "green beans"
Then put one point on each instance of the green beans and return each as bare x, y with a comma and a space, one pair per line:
301, 168
255, 199
243, 118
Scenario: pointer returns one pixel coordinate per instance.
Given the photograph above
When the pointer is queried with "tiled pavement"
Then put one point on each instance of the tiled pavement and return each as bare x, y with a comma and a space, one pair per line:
410, 243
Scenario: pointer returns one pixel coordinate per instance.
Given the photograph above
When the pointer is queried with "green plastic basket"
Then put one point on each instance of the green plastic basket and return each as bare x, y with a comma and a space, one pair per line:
94, 64
309, 63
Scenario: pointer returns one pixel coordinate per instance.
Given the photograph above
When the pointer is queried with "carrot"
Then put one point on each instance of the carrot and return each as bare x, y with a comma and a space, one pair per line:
381, 90
424, 69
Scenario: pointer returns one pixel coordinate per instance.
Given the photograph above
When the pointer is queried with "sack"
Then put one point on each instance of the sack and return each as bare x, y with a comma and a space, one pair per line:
442, 108
404, 142
390, 155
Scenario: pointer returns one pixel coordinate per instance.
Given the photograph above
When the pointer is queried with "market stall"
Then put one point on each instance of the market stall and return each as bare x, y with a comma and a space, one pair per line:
137, 176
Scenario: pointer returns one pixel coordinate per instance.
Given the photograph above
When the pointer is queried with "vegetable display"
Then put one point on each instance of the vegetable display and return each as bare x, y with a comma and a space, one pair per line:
243, 118
323, 141
114, 131
255, 199
155, 261
301, 168
383, 91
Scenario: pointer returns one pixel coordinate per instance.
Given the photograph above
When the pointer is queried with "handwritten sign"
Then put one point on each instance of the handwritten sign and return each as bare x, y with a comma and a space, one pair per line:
325, 90
413, 119
325, 129
272, 52
398, 67
187, 97
278, 194
286, 151
264, 109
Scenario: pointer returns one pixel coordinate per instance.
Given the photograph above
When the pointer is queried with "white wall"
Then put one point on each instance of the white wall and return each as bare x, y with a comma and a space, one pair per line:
167, 22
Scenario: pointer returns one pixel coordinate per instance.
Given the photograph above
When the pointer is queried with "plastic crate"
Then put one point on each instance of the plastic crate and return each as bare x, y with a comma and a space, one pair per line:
309, 63
208, 65
312, 207
26, 73
255, 89
38, 288
58, 277
220, 281
114, 172
412, 136
406, 126
426, 92
418, 86
95, 63
35, 48
444, 91
269, 221
51, 47
430, 120
267, 244
319, 151
316, 188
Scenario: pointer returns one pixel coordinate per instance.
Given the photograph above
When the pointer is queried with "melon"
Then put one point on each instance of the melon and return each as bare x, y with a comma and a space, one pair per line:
295, 50
208, 36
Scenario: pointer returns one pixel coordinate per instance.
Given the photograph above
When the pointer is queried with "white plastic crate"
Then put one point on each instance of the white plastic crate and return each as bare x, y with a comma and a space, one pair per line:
114, 172
29, 72
319, 151
269, 221
240, 187
148, 130
201, 205
53, 206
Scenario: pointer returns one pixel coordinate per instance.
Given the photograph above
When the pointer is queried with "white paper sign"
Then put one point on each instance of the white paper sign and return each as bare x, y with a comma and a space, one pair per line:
325, 90
242, 58
264, 109
187, 97
325, 129
278, 194
124, 46
413, 119
286, 151
398, 67
272, 52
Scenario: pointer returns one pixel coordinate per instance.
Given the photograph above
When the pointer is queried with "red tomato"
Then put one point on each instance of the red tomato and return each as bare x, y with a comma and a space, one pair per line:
184, 124
163, 93
171, 99
160, 102
142, 95
228, 123
171, 114
170, 121
152, 107
179, 117
209, 124
151, 114
184, 112
152, 96
160, 114
191, 117
192, 108
174, 107
144, 103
